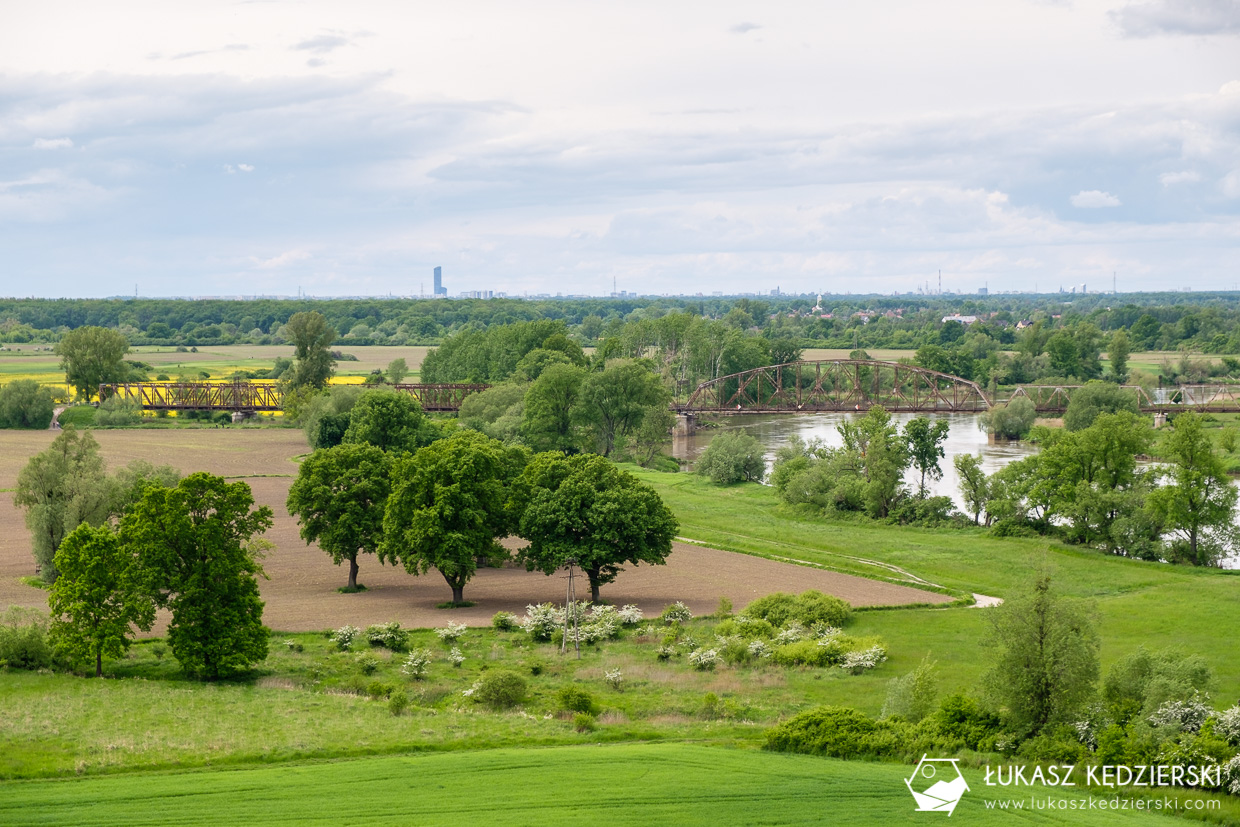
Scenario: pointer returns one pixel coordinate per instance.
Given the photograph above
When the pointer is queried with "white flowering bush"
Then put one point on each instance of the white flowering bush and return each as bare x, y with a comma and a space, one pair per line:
344, 636
792, 634
825, 631
678, 612
1186, 716
760, 649
1227, 725
452, 632
541, 621
387, 635
704, 660
1231, 776
614, 679
455, 657
417, 664
505, 621
630, 615
469, 693
858, 662
665, 652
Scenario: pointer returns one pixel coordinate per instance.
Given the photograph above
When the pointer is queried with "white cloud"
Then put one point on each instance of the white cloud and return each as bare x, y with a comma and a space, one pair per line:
52, 143
1184, 17
1170, 179
1094, 199
322, 44
744, 28
283, 260
1231, 184
245, 167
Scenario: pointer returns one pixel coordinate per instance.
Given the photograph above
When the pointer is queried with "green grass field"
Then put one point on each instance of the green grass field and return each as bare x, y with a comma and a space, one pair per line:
628, 784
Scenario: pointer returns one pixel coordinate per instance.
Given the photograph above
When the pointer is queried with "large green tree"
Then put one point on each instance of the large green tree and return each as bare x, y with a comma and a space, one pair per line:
974, 487
1118, 349
390, 420
874, 441
61, 488
546, 419
311, 336
99, 596
448, 507
92, 356
731, 458
584, 509
338, 497
1196, 500
197, 542
612, 403
1095, 398
1046, 657
24, 403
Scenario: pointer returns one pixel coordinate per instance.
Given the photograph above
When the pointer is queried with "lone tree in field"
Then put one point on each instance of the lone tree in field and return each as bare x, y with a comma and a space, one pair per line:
732, 458
1047, 659
311, 336
338, 497
197, 545
397, 370
91, 356
585, 509
98, 597
448, 507
61, 488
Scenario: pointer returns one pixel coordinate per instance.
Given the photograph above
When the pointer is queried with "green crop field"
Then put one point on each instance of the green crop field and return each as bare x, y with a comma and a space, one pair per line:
616, 784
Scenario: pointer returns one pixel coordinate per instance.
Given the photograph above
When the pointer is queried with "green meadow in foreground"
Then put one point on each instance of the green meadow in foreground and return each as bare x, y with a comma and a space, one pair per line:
623, 784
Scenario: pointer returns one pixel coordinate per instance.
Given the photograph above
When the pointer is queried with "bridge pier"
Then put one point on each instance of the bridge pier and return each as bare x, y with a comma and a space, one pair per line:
686, 423
1160, 419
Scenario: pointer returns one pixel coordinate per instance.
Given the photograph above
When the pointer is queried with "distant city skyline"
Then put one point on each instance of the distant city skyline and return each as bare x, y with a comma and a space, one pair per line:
318, 148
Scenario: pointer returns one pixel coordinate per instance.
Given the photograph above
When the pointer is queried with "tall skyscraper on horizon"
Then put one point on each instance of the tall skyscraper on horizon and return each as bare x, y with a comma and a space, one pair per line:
440, 290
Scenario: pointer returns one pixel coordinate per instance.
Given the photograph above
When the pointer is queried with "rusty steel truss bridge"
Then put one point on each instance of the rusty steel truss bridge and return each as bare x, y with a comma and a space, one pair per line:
834, 385
254, 397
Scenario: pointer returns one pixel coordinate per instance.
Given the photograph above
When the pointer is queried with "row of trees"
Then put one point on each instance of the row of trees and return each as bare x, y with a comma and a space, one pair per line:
1087, 487
447, 506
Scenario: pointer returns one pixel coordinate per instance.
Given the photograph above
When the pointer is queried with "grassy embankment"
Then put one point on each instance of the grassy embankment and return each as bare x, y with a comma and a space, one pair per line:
617, 784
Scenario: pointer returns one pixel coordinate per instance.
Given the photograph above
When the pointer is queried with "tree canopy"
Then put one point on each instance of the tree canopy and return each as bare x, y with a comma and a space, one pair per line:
197, 542
612, 404
1197, 499
731, 458
448, 507
24, 403
582, 508
98, 597
311, 336
390, 420
338, 497
92, 356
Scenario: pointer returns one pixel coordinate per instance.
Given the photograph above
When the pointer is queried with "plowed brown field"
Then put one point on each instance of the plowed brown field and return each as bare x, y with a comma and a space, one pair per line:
301, 592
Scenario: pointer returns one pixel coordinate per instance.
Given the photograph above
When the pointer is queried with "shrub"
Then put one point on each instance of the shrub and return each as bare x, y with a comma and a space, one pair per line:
398, 702
665, 652
417, 664
584, 722
576, 699
452, 632
614, 679
809, 653
837, 732
455, 657
378, 689
1184, 715
505, 621
344, 636
912, 696
368, 664
704, 660
117, 412
759, 649
678, 612
501, 689
960, 719
1011, 421
541, 621
858, 662
1227, 725
388, 635
23, 639
732, 458
807, 608
630, 615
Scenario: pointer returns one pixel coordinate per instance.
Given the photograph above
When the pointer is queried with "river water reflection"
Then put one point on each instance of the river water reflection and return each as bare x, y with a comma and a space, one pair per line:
775, 430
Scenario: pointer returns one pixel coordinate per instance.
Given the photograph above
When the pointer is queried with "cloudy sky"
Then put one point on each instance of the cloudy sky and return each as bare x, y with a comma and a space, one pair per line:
272, 146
